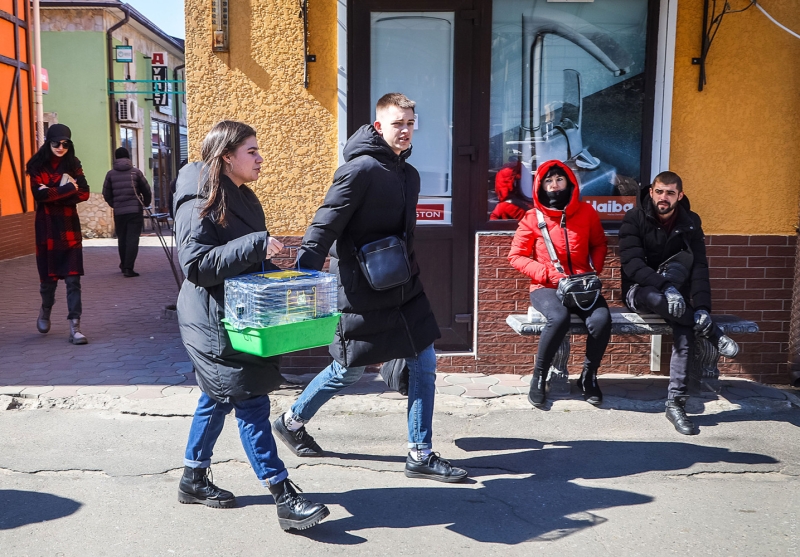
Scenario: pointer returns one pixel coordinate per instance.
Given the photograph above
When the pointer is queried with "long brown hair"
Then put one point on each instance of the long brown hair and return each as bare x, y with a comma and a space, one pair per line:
224, 138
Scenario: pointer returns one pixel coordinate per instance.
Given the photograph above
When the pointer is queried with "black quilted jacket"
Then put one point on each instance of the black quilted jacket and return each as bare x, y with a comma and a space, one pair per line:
644, 245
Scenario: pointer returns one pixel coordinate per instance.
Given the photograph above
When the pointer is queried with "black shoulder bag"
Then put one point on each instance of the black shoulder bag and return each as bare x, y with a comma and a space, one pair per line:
384, 262
575, 291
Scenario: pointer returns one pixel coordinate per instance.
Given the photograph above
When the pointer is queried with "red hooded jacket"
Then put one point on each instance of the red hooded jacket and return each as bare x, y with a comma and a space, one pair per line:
583, 241
506, 208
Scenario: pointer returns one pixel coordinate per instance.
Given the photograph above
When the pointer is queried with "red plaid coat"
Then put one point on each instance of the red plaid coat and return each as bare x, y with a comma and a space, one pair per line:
59, 250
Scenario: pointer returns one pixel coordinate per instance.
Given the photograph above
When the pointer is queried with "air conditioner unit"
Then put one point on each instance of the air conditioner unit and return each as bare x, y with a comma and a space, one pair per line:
127, 111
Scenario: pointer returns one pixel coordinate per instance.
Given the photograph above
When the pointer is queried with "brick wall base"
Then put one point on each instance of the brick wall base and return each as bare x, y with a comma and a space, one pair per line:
751, 276
17, 235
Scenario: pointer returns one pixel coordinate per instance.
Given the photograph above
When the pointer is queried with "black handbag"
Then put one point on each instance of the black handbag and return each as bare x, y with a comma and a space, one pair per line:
384, 263
575, 291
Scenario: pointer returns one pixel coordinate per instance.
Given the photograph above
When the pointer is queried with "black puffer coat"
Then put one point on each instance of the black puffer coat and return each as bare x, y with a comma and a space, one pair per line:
210, 253
125, 188
644, 246
374, 195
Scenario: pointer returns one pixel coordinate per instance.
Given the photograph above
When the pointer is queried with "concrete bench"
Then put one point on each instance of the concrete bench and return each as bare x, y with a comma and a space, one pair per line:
704, 372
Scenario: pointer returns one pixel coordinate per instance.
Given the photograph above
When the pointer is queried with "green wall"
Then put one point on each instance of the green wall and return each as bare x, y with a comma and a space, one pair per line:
76, 65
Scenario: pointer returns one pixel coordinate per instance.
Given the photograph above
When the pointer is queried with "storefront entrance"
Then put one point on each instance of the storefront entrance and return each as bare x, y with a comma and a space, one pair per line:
426, 53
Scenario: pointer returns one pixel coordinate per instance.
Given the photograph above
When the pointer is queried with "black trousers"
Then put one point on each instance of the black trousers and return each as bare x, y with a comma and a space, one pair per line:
597, 319
648, 299
129, 228
47, 289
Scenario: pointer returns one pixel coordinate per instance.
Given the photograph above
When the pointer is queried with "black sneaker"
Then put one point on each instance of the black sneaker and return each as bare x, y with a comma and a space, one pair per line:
299, 442
434, 468
197, 487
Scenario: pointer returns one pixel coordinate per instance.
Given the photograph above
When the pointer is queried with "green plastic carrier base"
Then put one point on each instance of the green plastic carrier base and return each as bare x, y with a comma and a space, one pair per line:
282, 339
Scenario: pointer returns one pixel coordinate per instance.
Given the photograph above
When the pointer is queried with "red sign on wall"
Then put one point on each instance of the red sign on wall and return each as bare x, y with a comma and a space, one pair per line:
430, 212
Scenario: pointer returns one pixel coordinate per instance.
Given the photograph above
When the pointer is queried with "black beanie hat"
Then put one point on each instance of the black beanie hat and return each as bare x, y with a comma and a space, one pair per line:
122, 153
58, 132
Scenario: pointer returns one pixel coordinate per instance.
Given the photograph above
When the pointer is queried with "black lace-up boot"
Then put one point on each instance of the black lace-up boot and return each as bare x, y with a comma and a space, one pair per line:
676, 414
197, 487
295, 511
587, 383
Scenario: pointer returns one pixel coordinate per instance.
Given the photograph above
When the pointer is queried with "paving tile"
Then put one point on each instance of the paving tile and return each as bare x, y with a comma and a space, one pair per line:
10, 390
459, 379
175, 380
502, 389
169, 391
481, 393
63, 391
453, 390
146, 392
612, 390
740, 392
121, 390
769, 392
487, 380
93, 390
392, 395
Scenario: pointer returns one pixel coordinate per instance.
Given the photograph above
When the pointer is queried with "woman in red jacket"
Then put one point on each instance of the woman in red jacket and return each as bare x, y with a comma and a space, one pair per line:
580, 244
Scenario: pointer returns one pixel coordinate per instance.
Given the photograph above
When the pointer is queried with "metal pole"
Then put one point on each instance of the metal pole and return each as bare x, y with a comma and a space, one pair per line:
37, 45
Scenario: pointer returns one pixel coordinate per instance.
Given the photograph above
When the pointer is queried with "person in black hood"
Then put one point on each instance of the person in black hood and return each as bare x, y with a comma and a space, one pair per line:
127, 191
664, 267
374, 196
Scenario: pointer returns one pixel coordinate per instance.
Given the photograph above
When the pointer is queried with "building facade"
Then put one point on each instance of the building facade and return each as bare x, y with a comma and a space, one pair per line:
611, 87
109, 103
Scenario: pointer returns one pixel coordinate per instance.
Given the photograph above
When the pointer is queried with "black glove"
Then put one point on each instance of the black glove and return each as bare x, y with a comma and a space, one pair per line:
702, 323
675, 273
675, 302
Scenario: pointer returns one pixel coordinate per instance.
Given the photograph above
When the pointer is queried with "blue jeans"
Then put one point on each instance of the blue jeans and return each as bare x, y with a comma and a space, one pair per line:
255, 432
421, 391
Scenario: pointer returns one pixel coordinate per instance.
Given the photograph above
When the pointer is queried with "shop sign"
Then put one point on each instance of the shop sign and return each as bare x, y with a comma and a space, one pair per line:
434, 210
611, 207
159, 72
123, 54
45, 80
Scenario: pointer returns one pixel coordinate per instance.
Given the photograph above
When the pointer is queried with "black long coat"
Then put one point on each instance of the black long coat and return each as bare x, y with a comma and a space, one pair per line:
374, 195
644, 245
210, 253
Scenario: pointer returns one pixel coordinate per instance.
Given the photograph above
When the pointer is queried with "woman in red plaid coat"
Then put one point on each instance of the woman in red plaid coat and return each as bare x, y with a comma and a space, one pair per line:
58, 185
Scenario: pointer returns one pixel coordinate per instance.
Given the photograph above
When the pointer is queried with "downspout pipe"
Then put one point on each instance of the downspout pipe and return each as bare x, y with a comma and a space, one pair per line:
37, 53
177, 133
112, 116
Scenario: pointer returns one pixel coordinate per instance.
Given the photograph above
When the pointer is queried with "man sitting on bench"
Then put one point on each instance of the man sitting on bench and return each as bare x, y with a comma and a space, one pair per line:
664, 269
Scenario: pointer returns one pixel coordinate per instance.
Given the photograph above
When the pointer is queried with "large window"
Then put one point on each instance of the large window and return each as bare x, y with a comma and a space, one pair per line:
568, 83
127, 139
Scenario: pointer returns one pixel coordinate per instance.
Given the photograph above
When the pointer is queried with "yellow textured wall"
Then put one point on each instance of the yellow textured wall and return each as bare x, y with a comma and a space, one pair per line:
260, 82
737, 143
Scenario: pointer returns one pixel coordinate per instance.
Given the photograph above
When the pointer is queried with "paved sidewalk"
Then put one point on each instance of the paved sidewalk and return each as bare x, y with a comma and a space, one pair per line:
135, 352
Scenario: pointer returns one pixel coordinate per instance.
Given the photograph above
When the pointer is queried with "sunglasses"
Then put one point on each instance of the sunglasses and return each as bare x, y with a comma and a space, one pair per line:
64, 144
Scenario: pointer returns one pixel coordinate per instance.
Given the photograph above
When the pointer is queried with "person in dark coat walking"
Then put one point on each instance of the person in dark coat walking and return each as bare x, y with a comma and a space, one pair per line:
58, 185
665, 271
373, 196
126, 190
221, 232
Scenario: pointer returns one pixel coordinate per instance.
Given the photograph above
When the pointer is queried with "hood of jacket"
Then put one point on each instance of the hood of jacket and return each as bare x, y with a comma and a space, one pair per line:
505, 180
646, 203
574, 201
187, 185
123, 164
367, 141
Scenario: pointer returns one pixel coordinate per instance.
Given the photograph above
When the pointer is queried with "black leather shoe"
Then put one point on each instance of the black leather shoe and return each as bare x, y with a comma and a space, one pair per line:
590, 390
130, 273
196, 487
676, 414
434, 468
294, 511
299, 442
536, 394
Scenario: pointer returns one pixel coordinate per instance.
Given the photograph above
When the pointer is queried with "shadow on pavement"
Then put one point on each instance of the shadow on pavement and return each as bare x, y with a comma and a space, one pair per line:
18, 508
570, 460
545, 505
790, 416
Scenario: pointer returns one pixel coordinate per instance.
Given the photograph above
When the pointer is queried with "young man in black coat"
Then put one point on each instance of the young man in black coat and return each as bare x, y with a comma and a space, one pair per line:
373, 196
664, 269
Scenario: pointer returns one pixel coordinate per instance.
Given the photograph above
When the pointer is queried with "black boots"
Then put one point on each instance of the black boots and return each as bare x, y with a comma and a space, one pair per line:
587, 383
43, 321
676, 414
536, 396
299, 441
196, 487
293, 510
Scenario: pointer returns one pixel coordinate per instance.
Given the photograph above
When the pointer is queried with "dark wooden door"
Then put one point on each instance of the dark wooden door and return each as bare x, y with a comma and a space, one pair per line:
426, 50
